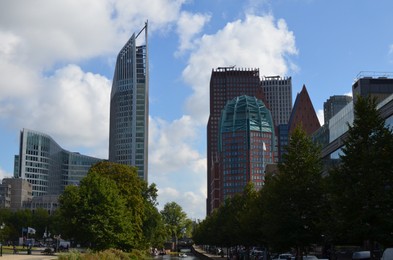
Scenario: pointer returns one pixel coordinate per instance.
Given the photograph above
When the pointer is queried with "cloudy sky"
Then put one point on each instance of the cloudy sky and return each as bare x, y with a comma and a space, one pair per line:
57, 60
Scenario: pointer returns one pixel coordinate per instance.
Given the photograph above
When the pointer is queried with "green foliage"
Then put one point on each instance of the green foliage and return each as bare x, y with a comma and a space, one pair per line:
109, 254
361, 187
234, 223
292, 200
111, 208
175, 220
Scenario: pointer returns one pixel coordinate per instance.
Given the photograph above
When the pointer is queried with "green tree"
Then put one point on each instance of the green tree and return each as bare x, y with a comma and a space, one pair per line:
362, 185
175, 220
108, 208
102, 218
291, 201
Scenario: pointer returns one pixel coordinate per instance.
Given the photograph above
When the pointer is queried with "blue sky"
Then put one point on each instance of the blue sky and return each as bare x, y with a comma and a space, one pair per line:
57, 60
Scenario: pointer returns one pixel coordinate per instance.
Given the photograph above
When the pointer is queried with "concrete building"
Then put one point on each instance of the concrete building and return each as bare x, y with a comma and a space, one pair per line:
129, 107
21, 192
47, 202
226, 83
277, 93
5, 195
246, 142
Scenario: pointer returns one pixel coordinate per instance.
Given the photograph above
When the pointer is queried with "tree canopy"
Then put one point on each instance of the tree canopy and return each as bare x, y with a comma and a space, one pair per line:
110, 208
362, 184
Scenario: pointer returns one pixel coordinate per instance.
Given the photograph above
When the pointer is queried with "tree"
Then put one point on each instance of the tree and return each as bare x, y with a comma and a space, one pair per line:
101, 217
175, 220
108, 208
362, 185
292, 200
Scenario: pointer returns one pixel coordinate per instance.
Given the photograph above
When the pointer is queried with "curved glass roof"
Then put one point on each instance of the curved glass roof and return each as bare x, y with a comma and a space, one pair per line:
245, 113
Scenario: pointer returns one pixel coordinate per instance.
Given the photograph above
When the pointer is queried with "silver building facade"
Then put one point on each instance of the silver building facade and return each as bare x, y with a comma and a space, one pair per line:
129, 107
48, 167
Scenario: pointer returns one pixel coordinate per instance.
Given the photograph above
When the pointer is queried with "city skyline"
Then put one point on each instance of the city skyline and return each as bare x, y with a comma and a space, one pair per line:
57, 72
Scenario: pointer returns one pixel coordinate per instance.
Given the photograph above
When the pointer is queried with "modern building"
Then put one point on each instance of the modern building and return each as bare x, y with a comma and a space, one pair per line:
303, 113
48, 167
129, 107
246, 142
333, 105
226, 83
277, 93
334, 132
378, 85
282, 133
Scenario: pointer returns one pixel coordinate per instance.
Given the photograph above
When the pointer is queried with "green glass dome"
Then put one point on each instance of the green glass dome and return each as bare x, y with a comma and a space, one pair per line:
245, 113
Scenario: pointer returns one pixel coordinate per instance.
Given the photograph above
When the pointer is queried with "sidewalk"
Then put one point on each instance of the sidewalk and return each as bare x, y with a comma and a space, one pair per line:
27, 257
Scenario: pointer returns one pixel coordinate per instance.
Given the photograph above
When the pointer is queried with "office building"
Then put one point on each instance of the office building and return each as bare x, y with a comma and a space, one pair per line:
277, 93
378, 85
367, 85
246, 142
129, 107
226, 83
333, 105
48, 167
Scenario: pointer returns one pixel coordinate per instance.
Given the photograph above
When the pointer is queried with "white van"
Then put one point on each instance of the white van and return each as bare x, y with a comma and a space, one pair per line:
387, 254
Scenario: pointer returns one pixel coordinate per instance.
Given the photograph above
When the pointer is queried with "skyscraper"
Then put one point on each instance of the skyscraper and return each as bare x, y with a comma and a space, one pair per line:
129, 107
226, 83
278, 96
333, 105
246, 142
277, 93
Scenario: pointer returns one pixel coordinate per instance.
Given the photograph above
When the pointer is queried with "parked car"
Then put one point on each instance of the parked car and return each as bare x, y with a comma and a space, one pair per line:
363, 255
285, 256
309, 257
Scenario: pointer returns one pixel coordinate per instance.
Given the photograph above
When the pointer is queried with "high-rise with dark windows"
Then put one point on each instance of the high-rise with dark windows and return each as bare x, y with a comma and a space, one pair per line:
226, 83
129, 106
278, 96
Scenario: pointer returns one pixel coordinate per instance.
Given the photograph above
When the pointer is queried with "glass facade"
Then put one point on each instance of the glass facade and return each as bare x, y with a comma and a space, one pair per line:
48, 167
129, 114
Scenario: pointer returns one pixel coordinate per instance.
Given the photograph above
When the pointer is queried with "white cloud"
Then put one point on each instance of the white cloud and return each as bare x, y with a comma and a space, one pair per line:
68, 106
4, 174
192, 203
255, 42
188, 26
176, 166
68, 103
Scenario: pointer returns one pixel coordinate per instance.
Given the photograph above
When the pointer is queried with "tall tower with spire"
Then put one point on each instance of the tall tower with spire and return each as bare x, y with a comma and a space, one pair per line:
129, 106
